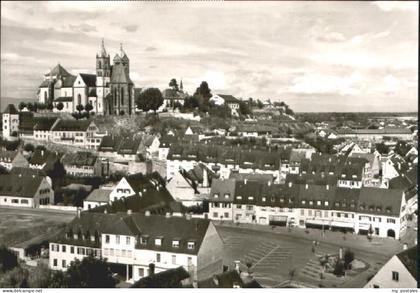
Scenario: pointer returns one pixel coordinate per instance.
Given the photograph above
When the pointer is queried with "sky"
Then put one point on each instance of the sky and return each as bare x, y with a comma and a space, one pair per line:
315, 56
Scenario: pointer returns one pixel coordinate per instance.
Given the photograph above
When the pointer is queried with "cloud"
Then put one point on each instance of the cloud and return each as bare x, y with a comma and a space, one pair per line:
398, 5
150, 49
131, 28
84, 28
331, 37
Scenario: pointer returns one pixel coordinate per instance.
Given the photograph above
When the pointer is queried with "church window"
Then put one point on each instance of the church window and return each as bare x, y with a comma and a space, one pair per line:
45, 97
99, 64
79, 99
115, 96
122, 96
99, 73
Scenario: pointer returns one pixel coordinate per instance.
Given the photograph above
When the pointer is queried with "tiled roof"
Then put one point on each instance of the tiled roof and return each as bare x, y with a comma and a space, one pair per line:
11, 109
222, 187
383, 131
79, 159
89, 79
45, 83
41, 157
129, 146
71, 125
99, 195
20, 186
58, 70
7, 156
167, 279
380, 201
408, 258
27, 171
229, 98
44, 123
68, 81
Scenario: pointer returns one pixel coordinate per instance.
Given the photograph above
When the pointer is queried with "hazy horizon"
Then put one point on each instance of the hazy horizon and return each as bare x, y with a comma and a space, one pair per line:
315, 56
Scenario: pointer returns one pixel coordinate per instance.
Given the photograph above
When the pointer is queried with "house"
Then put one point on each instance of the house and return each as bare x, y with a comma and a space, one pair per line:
25, 191
120, 148
10, 159
149, 146
375, 134
133, 241
255, 130
81, 133
317, 206
229, 100
10, 122
165, 143
399, 272
82, 164
97, 197
173, 97
191, 187
172, 278
42, 128
43, 159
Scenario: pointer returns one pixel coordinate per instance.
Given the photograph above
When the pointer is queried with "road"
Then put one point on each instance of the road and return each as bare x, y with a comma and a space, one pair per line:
273, 255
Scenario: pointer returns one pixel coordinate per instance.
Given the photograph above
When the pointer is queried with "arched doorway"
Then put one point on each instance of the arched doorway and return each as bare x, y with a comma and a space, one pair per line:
390, 233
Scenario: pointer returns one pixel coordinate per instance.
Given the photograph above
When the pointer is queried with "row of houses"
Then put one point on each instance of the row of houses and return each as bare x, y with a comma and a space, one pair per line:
134, 241
383, 211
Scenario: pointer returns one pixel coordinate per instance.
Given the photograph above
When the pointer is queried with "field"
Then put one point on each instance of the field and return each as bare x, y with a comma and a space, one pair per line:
19, 225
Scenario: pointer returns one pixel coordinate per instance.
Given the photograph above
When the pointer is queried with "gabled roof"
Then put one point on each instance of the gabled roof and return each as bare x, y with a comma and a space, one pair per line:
171, 278
44, 123
79, 159
10, 109
19, 186
222, 187
45, 83
68, 81
408, 258
380, 201
89, 79
99, 195
64, 99
71, 125
41, 157
229, 98
7, 156
58, 70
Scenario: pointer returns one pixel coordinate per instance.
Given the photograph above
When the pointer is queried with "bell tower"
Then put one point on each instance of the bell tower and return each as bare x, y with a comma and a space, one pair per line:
103, 77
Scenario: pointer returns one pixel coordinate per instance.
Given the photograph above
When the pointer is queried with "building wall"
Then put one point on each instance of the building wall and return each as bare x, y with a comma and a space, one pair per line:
16, 201
383, 278
122, 189
10, 124
87, 205
63, 252
220, 211
210, 255
20, 161
121, 252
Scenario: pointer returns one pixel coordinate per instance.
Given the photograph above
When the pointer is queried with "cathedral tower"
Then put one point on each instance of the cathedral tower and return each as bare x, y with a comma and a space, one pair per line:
103, 77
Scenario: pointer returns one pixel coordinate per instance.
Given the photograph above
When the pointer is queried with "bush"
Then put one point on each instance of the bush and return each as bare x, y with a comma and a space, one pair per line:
339, 269
8, 260
348, 258
29, 147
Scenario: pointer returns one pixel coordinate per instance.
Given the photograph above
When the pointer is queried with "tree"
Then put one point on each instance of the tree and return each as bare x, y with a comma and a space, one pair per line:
30, 107
50, 106
88, 107
203, 95
90, 273
339, 268
29, 147
244, 108
22, 105
79, 108
16, 278
289, 111
382, 148
402, 148
260, 105
150, 99
60, 106
8, 260
174, 84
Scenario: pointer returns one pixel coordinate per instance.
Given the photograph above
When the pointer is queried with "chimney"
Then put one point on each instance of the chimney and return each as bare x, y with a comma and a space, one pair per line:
147, 213
105, 211
20, 175
168, 215
245, 181
327, 187
128, 212
269, 182
290, 184
237, 263
42, 152
188, 216
78, 213
306, 186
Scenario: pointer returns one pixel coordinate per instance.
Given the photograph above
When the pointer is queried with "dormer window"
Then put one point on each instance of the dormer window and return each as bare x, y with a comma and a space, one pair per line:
227, 195
92, 238
326, 203
175, 243
354, 176
216, 195
303, 201
239, 197
282, 200
191, 245
337, 204
311, 202
250, 198
318, 203
143, 240
343, 175
158, 241
263, 198
75, 236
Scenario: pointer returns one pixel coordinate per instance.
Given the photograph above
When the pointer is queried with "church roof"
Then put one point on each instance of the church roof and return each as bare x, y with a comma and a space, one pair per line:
45, 83
68, 81
89, 79
102, 51
58, 70
119, 75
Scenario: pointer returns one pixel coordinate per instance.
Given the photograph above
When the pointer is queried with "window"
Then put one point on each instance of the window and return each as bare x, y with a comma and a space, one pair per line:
127, 240
141, 272
55, 262
238, 206
175, 243
216, 195
303, 202
106, 238
191, 245
318, 203
157, 257
174, 259
117, 239
158, 241
390, 221
395, 276
326, 214
63, 263
227, 195
310, 213
302, 212
311, 202
226, 215
63, 248
71, 249
326, 203
215, 215
239, 197
250, 198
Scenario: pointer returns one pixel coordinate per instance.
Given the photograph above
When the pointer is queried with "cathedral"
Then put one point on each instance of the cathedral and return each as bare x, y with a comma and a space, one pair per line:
109, 92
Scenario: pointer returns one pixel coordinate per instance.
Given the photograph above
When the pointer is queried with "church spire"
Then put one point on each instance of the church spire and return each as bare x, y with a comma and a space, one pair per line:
102, 51
122, 53
181, 87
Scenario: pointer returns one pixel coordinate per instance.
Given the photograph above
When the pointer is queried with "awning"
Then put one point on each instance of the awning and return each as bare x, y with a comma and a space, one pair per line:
278, 218
342, 224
